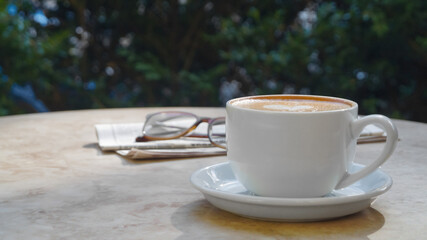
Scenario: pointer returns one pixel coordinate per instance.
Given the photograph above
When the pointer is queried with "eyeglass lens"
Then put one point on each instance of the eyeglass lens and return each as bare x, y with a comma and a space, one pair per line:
168, 124
217, 132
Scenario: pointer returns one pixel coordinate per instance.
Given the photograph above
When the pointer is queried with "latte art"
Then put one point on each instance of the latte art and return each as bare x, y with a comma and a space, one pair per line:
290, 105
280, 107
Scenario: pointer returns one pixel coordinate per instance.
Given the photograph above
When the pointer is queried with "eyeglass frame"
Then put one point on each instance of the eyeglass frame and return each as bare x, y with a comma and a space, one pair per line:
199, 120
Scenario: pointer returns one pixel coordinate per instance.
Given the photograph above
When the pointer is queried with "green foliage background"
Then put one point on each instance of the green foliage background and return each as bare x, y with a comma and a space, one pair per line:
97, 54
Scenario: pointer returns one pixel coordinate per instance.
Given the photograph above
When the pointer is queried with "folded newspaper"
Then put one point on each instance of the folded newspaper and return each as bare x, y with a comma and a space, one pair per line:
121, 139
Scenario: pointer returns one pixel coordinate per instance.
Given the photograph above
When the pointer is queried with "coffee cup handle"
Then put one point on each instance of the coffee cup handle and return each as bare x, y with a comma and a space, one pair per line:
356, 128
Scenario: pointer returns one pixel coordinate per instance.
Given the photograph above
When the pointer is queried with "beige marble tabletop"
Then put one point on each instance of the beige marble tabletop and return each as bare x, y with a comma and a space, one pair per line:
55, 183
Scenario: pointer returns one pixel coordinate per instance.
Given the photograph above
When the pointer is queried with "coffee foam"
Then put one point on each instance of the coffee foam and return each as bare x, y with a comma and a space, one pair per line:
290, 105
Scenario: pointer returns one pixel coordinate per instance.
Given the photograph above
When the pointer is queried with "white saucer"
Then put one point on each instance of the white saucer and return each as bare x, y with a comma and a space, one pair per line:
220, 187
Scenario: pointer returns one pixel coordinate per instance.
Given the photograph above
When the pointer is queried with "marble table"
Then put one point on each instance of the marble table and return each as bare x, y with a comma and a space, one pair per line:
55, 183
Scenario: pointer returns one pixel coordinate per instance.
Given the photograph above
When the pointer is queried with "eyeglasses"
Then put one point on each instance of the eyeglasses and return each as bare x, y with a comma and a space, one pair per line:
174, 124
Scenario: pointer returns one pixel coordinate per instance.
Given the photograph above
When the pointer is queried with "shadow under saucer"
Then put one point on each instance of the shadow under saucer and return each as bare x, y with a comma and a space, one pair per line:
200, 219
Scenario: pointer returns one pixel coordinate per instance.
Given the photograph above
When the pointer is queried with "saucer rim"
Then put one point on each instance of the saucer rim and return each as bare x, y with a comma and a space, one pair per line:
277, 201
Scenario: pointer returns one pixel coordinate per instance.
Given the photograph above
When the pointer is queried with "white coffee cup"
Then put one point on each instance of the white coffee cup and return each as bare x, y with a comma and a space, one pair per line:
277, 151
